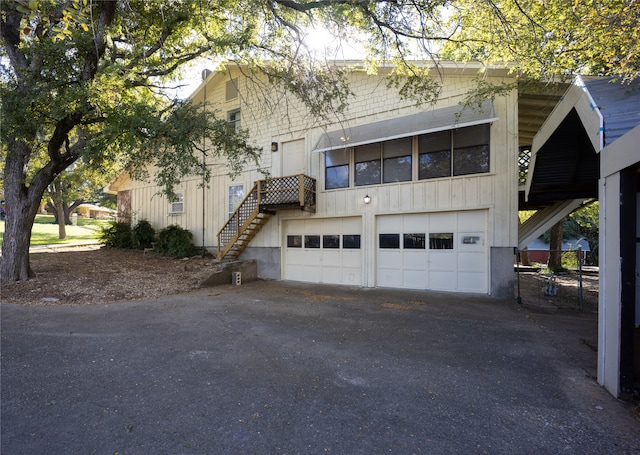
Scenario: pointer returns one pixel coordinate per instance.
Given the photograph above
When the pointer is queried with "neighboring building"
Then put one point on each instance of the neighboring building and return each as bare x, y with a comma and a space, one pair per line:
440, 184
539, 249
95, 211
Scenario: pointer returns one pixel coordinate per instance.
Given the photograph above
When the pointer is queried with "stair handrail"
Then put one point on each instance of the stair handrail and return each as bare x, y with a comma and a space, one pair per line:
253, 198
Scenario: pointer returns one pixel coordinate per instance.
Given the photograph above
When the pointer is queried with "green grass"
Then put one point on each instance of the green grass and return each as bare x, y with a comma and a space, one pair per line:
45, 231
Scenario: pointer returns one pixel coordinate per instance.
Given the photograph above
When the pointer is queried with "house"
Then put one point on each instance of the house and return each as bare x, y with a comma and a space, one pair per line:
390, 194
539, 249
95, 211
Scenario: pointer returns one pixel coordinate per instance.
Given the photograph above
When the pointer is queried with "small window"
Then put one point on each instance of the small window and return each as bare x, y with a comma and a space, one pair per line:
236, 196
389, 241
336, 169
294, 241
368, 165
177, 205
312, 241
233, 119
351, 242
231, 90
414, 241
441, 241
330, 241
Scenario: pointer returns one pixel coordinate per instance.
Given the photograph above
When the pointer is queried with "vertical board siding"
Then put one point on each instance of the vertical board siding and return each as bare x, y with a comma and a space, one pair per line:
373, 101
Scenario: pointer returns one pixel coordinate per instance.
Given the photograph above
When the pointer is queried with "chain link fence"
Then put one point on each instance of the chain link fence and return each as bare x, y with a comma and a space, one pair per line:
574, 287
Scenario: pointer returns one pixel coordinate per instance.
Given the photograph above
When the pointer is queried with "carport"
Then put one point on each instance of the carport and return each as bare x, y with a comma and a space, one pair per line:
589, 147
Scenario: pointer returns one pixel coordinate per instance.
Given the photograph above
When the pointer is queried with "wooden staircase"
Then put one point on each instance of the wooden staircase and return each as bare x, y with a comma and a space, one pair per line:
260, 204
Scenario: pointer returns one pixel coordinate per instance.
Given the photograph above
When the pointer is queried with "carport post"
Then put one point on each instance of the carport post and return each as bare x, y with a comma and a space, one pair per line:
579, 253
516, 250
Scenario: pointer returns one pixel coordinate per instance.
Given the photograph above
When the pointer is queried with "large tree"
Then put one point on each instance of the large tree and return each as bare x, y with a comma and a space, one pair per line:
84, 78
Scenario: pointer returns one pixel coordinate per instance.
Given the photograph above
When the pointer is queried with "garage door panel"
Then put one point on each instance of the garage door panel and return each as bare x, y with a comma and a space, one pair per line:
415, 260
442, 261
472, 281
416, 279
443, 281
442, 222
392, 259
352, 259
414, 223
472, 262
391, 278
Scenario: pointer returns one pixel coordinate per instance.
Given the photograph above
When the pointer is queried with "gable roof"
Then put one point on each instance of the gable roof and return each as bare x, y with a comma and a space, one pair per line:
565, 154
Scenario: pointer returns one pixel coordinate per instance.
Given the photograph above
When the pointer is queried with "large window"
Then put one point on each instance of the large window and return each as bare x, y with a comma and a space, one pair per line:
471, 150
441, 154
368, 169
396, 166
337, 169
434, 155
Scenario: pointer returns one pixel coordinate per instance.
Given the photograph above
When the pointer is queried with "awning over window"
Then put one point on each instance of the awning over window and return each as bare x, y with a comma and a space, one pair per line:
410, 125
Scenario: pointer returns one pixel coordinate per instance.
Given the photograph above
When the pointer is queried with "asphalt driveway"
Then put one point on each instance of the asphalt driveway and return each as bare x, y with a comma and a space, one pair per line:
279, 368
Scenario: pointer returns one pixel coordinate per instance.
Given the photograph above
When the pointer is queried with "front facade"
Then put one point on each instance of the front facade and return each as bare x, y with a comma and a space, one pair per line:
405, 196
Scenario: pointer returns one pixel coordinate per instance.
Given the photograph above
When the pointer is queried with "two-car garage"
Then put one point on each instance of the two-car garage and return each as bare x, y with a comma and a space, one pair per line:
438, 251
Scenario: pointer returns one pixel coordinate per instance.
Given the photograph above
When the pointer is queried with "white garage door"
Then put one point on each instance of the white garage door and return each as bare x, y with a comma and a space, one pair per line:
440, 251
323, 251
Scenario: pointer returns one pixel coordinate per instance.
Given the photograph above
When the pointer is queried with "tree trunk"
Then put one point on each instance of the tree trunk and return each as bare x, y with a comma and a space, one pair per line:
21, 203
555, 247
62, 229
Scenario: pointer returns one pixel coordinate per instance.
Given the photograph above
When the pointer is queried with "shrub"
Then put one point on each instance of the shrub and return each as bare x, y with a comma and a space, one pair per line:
116, 234
176, 242
143, 235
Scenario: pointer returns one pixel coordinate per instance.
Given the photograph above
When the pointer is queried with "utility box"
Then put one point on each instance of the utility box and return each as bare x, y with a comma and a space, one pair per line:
236, 278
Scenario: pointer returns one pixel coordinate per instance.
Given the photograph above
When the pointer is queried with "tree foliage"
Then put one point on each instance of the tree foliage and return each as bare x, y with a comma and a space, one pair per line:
551, 38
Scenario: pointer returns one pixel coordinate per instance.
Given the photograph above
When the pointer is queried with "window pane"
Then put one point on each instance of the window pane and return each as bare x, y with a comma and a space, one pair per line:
414, 241
351, 241
471, 135
367, 173
312, 241
337, 177
330, 241
434, 142
367, 152
233, 119
336, 157
397, 169
397, 147
294, 241
471, 160
441, 241
389, 240
236, 195
434, 165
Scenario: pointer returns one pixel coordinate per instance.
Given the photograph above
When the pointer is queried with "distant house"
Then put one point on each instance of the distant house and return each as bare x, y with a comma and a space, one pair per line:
95, 211
539, 249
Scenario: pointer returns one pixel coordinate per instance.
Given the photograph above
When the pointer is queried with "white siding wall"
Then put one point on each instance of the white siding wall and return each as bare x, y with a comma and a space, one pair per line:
496, 191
